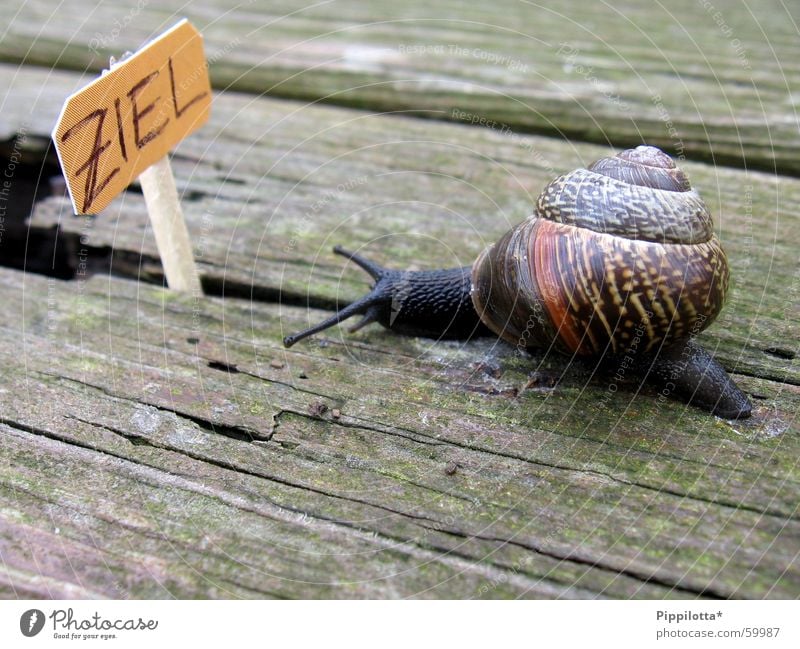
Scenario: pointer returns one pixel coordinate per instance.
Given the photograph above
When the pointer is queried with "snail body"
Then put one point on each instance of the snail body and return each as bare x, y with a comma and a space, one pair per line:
617, 260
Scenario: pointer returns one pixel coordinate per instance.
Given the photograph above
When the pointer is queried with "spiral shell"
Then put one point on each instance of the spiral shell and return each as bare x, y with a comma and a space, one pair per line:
618, 257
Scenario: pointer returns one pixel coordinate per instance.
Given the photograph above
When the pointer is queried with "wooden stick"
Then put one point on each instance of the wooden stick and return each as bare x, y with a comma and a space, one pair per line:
172, 237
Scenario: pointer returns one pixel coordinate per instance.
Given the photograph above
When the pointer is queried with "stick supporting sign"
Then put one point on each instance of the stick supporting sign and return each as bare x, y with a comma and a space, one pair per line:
124, 124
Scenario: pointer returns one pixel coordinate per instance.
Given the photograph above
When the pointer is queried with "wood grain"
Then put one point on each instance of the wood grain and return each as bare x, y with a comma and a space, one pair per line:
158, 445
712, 81
156, 433
269, 186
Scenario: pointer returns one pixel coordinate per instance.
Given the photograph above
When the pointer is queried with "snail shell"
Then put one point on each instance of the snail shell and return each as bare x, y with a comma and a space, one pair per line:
618, 257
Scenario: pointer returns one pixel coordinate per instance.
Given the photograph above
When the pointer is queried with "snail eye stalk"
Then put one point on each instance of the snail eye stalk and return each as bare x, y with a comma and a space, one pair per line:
366, 306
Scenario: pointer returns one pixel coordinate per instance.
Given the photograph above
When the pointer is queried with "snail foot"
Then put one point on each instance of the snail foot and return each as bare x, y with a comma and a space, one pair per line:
689, 371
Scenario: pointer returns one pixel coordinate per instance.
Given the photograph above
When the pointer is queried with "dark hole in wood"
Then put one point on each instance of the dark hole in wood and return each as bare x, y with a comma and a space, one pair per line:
36, 175
788, 354
225, 367
29, 166
57, 253
192, 196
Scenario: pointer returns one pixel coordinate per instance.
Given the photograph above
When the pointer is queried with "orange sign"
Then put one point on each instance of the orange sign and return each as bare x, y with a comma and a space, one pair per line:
129, 118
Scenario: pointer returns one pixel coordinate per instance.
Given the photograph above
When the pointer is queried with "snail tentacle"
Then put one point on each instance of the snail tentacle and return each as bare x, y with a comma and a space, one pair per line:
376, 271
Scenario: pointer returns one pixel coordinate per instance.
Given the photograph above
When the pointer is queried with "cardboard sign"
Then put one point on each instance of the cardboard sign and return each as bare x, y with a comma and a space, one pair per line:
129, 118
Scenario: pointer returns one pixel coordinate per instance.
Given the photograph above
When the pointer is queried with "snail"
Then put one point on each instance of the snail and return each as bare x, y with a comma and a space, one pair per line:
618, 262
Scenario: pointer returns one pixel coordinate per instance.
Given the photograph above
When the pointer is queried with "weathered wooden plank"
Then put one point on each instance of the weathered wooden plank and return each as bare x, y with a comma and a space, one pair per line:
269, 186
179, 537
689, 504
714, 81
155, 430
443, 474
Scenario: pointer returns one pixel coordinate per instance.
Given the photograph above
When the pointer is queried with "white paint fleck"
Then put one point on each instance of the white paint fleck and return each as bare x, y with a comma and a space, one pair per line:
775, 427
368, 57
146, 420
183, 435
429, 82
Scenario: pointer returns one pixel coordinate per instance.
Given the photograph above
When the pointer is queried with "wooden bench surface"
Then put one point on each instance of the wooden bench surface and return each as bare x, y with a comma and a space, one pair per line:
159, 445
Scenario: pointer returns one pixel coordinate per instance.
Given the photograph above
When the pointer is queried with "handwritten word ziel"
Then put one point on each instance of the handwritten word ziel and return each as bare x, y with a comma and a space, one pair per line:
129, 118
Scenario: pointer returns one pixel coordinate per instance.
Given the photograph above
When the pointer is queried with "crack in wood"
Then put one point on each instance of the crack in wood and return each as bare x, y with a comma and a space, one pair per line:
238, 470
767, 376
242, 434
639, 575
237, 432
208, 460
431, 552
372, 426
781, 352
608, 476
